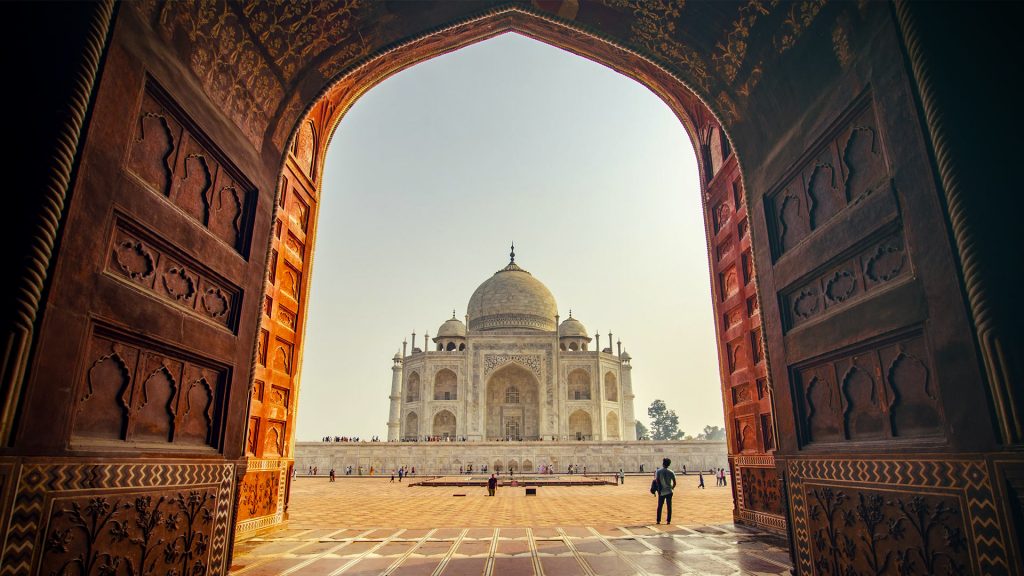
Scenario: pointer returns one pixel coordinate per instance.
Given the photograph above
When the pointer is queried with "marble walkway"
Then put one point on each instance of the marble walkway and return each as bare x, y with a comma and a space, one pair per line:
362, 526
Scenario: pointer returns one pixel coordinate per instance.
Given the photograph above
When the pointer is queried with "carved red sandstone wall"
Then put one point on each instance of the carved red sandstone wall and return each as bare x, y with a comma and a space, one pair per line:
854, 250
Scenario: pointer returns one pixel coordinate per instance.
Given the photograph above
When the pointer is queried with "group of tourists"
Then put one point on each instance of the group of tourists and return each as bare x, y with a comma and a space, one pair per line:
402, 472
348, 439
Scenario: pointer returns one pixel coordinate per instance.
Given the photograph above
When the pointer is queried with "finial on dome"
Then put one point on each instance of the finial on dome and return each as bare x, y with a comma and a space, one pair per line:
570, 313
453, 313
512, 254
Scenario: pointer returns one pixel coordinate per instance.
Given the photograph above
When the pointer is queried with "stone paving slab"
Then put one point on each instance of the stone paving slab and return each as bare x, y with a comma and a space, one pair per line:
371, 527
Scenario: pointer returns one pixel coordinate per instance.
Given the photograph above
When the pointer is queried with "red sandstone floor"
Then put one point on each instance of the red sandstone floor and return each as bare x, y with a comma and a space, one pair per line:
361, 526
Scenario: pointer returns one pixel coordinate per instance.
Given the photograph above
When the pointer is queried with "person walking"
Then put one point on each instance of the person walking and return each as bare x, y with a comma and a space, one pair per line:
700, 479
492, 485
622, 477
725, 481
401, 472
332, 474
666, 484
392, 476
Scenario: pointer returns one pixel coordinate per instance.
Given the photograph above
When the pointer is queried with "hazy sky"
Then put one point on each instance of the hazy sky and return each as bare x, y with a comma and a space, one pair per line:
435, 171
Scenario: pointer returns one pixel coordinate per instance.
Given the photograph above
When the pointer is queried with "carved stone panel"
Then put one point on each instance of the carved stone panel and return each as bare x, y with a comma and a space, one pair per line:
139, 256
174, 158
761, 490
158, 531
137, 391
258, 495
850, 280
879, 392
847, 166
932, 517
283, 356
119, 518
729, 282
261, 347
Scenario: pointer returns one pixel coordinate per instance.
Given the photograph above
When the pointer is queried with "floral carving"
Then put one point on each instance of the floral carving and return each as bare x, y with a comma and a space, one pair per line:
886, 263
178, 283
806, 304
215, 303
840, 286
878, 533
530, 361
761, 489
258, 495
134, 259
152, 534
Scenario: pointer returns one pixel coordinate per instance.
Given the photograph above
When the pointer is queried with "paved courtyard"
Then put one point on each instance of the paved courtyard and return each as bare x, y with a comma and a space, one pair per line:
368, 526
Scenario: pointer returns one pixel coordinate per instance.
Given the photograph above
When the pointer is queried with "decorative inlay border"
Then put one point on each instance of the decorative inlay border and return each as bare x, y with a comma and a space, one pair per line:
969, 480
39, 484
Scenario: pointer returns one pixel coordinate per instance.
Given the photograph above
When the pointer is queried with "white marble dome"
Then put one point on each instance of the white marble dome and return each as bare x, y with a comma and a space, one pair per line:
453, 328
572, 328
512, 299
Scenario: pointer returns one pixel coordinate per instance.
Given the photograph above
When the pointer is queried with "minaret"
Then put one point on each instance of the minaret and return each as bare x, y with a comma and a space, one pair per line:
394, 418
628, 417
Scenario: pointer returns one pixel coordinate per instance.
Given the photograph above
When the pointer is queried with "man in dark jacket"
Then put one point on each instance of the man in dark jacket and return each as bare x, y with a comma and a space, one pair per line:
492, 485
666, 483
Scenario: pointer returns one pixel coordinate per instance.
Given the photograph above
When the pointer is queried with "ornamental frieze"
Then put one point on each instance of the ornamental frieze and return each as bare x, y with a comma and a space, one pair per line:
531, 361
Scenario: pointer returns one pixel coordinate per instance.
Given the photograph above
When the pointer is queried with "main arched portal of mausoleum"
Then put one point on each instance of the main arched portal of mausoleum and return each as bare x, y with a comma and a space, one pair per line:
513, 404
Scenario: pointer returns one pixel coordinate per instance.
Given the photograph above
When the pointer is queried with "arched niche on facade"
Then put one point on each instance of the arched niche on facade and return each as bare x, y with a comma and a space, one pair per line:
611, 424
611, 387
444, 424
412, 425
579, 385
580, 425
513, 404
446, 385
412, 388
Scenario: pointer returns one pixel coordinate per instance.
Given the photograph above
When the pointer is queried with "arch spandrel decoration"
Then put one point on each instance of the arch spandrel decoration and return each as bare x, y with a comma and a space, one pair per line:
531, 362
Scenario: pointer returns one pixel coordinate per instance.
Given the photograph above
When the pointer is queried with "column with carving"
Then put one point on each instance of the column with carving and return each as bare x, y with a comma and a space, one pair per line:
394, 420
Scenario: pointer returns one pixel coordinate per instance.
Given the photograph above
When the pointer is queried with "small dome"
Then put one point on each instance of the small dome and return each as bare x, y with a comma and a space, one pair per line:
572, 328
626, 356
512, 298
453, 328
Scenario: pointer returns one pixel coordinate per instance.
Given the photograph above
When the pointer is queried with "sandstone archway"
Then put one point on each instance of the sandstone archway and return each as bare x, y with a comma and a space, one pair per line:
859, 233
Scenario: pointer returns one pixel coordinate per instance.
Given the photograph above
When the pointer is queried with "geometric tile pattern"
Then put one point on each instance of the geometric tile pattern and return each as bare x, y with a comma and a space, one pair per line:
370, 526
354, 502
967, 479
555, 551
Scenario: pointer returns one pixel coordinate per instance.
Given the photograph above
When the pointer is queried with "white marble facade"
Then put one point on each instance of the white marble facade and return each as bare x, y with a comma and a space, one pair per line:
521, 457
515, 373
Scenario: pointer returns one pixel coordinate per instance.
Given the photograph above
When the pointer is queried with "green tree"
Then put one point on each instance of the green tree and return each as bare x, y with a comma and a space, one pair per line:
664, 422
712, 433
641, 430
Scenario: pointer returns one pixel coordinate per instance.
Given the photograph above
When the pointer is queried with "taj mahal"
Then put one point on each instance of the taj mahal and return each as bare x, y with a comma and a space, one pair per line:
513, 388
515, 373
